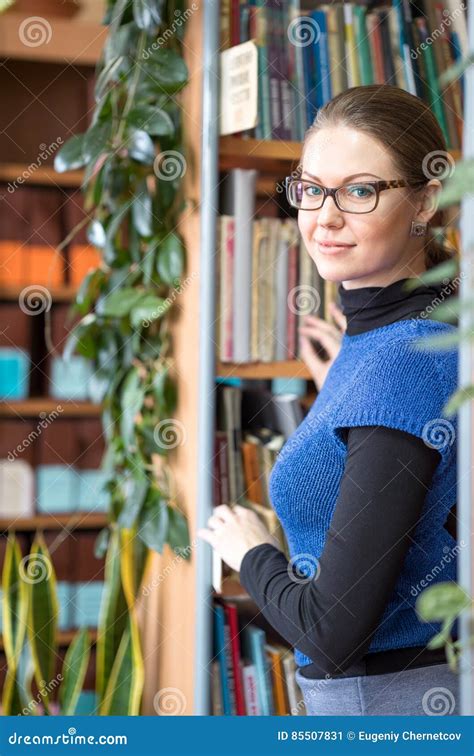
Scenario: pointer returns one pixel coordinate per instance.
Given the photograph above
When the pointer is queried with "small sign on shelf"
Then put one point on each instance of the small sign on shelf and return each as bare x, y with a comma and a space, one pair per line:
239, 88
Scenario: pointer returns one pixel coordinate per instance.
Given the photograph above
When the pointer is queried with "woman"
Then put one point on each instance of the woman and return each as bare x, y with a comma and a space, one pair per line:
364, 486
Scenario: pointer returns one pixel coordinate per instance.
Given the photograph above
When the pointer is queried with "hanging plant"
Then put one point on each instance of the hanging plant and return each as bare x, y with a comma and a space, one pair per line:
132, 156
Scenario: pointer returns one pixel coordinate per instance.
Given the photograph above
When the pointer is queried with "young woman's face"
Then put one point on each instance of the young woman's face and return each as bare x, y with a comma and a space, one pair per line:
380, 249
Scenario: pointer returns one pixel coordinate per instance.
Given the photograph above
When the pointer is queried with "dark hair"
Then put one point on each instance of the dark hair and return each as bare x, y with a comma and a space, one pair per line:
406, 126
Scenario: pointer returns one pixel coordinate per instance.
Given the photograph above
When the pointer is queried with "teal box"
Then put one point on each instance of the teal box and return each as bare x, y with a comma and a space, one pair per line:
56, 489
65, 619
70, 378
289, 386
14, 373
86, 602
92, 497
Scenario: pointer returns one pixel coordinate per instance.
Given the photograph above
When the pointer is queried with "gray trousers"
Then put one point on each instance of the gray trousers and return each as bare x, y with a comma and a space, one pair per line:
423, 691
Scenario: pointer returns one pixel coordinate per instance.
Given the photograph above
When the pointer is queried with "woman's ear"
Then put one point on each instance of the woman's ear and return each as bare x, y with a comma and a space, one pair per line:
428, 201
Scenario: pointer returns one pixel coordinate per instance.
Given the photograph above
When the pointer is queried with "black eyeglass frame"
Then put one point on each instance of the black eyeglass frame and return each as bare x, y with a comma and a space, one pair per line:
379, 186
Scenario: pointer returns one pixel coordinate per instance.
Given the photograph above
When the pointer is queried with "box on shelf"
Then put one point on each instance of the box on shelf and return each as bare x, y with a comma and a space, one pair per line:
14, 373
56, 489
70, 378
16, 489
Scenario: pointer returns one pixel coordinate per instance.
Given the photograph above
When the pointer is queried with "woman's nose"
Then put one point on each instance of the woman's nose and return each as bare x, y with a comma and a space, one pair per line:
329, 212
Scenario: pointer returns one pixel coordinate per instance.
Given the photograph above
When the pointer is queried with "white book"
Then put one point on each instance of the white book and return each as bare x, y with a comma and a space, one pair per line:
16, 489
249, 678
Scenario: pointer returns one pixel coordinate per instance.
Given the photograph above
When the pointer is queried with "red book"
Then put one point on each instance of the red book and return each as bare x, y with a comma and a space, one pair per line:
232, 619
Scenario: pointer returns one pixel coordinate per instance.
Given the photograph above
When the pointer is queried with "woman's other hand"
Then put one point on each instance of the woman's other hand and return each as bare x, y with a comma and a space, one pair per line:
234, 531
329, 336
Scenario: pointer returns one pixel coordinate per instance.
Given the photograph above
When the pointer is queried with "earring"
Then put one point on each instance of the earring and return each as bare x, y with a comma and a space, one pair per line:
418, 228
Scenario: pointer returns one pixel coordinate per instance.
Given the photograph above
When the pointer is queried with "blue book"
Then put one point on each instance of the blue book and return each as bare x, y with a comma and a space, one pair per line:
321, 57
254, 640
222, 652
14, 373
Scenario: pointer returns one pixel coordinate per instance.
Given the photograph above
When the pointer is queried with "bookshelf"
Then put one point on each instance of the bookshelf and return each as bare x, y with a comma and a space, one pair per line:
273, 159
73, 521
64, 638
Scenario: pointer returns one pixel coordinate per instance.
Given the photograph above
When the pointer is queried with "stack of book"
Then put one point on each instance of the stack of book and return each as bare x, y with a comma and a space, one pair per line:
308, 53
251, 676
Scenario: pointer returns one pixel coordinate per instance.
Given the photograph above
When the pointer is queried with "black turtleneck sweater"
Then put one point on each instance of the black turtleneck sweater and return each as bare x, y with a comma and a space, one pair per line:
382, 464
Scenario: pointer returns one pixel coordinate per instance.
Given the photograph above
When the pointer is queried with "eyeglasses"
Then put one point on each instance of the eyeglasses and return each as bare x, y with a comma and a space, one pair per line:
362, 197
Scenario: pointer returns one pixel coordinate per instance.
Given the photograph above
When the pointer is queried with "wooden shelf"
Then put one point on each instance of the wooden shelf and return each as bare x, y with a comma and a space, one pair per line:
58, 293
33, 408
232, 589
65, 40
71, 521
271, 156
263, 370
65, 637
43, 176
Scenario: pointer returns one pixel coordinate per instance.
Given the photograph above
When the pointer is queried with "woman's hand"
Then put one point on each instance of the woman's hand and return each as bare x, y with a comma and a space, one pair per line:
328, 335
233, 532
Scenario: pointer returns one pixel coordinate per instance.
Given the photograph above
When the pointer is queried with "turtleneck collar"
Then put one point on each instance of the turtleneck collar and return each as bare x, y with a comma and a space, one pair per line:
374, 306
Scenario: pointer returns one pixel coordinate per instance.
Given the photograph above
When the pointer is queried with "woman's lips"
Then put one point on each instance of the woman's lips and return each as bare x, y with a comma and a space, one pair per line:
332, 249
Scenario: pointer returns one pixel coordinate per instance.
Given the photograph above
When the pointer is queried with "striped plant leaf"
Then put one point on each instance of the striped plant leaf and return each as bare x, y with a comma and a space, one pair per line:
113, 615
38, 574
15, 607
74, 671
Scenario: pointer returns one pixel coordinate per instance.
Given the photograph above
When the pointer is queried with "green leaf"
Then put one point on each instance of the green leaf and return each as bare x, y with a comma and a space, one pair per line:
142, 217
140, 147
146, 15
131, 400
101, 543
459, 184
170, 262
96, 141
74, 671
445, 340
110, 73
455, 71
96, 234
120, 302
448, 269
152, 120
178, 534
442, 601
166, 69
110, 252
149, 308
39, 576
154, 522
457, 399
89, 290
70, 156
113, 615
82, 338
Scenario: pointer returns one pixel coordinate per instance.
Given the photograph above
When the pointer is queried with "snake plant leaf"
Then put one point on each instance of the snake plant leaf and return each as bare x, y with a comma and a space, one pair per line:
15, 607
124, 690
74, 671
43, 611
71, 155
113, 615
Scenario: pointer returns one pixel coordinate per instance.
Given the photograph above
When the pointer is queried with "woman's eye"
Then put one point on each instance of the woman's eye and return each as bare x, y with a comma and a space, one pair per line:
313, 191
360, 191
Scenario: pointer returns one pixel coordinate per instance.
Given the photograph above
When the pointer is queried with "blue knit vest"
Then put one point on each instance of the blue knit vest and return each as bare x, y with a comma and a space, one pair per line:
380, 377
